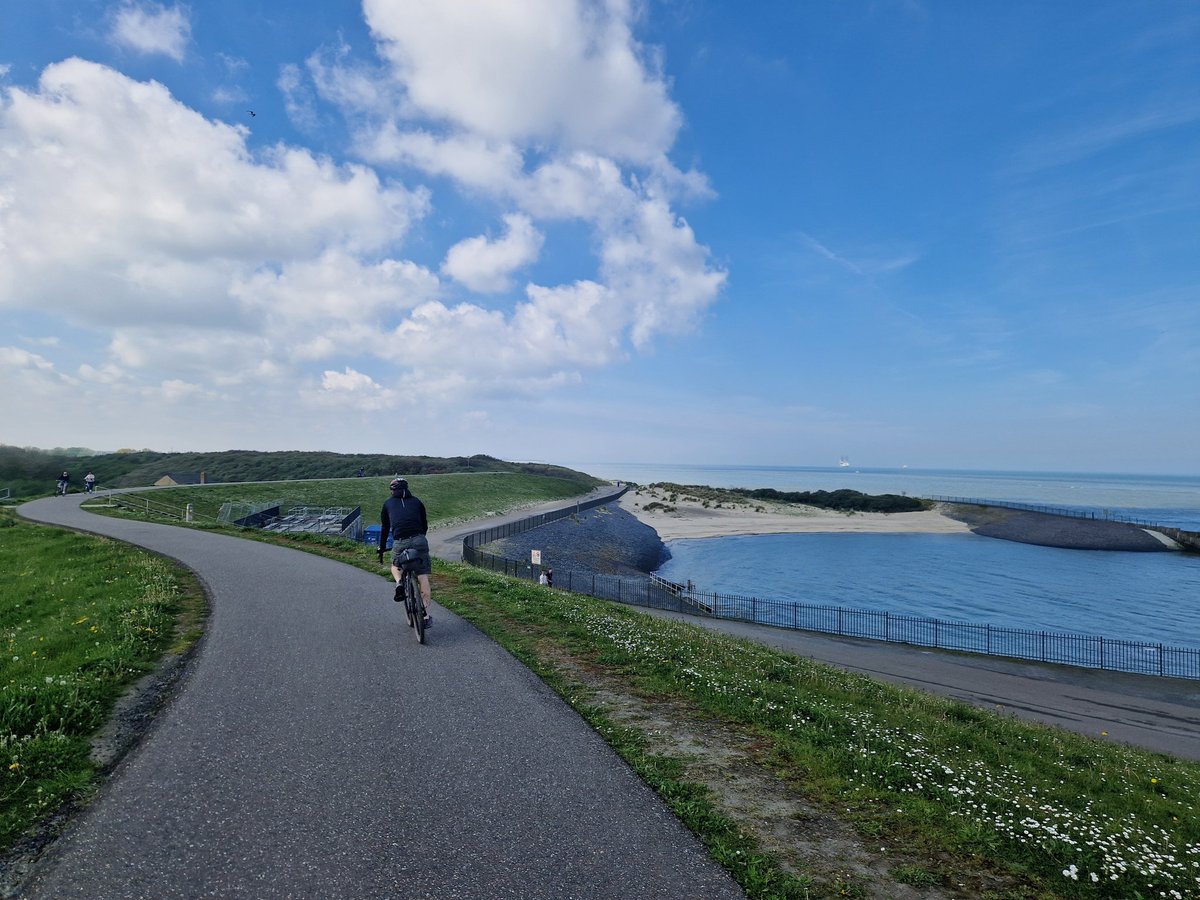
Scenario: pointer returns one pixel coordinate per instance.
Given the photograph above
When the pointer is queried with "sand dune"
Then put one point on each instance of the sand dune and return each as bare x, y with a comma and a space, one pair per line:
684, 518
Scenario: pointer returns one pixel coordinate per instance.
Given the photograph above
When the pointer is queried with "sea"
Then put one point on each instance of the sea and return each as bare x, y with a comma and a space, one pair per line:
1153, 597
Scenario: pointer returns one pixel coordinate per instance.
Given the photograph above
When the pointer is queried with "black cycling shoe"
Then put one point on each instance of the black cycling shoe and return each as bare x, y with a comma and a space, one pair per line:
428, 621
399, 595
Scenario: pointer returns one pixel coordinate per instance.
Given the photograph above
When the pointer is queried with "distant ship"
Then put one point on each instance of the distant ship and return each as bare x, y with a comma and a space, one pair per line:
844, 462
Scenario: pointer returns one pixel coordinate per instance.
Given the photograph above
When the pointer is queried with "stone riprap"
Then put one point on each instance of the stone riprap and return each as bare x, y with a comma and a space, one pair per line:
606, 540
1048, 530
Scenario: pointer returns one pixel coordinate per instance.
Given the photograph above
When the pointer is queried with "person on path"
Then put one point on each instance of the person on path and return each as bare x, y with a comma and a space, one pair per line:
64, 484
403, 517
89, 483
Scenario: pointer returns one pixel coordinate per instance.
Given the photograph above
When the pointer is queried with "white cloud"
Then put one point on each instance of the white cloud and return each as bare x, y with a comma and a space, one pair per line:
353, 389
552, 108
486, 266
569, 74
125, 206
152, 28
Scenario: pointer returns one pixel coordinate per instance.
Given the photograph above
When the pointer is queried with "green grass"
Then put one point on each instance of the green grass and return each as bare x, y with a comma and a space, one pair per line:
81, 617
943, 782
447, 498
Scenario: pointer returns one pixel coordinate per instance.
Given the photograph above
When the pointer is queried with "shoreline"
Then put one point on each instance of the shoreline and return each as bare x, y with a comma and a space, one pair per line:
688, 518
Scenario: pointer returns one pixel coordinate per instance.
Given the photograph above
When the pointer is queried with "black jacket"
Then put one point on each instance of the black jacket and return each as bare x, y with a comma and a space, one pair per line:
402, 517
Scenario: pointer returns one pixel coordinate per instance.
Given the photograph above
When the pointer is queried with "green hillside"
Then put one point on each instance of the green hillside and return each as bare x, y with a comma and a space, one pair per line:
31, 472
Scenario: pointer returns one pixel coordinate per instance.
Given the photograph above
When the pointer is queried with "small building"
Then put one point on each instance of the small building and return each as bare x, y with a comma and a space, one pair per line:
182, 478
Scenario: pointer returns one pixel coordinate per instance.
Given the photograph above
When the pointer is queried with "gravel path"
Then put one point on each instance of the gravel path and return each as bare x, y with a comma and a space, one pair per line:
315, 750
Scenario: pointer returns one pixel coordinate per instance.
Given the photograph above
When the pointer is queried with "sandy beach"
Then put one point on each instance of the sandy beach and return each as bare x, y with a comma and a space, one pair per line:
689, 518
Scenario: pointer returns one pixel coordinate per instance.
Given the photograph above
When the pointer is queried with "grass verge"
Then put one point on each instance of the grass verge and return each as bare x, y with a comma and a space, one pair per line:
954, 799
81, 619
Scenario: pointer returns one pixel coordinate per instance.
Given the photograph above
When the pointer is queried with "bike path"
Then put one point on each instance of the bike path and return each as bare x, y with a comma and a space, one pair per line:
313, 749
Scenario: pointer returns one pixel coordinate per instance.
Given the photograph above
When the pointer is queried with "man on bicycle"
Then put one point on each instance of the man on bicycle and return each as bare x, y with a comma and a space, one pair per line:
403, 517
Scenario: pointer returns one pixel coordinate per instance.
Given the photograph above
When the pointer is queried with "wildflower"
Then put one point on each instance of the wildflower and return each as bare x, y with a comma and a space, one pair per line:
1072, 872
15, 765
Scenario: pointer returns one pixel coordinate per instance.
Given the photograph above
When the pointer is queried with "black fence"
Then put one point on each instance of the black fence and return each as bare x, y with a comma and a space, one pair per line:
1076, 513
1088, 651
495, 533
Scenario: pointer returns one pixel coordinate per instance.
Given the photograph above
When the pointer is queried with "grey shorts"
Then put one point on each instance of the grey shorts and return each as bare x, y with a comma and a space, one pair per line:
419, 543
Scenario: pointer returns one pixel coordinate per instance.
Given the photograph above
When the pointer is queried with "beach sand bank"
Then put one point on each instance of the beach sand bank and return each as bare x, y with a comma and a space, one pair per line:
686, 517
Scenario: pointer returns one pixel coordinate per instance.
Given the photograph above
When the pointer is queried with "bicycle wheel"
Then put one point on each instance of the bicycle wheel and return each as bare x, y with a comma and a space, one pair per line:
412, 602
405, 589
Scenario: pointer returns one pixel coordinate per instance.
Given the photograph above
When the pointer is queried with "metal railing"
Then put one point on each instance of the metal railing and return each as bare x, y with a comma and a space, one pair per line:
508, 529
142, 504
1105, 515
1064, 648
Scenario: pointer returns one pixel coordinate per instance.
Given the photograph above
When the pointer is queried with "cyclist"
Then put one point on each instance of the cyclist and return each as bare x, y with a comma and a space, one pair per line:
403, 517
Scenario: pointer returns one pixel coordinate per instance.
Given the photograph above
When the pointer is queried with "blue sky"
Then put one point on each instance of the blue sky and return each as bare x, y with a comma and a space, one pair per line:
912, 233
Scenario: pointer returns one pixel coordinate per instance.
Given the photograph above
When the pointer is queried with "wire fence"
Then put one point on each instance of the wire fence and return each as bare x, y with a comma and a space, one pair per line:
1084, 650
1105, 515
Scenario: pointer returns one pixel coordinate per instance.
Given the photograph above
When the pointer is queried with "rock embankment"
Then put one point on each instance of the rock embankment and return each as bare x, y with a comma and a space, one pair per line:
1048, 530
606, 540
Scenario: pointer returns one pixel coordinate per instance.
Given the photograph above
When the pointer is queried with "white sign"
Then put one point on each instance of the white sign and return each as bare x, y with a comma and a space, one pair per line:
536, 557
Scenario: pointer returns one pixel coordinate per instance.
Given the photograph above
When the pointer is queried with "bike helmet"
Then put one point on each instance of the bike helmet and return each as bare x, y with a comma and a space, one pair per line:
398, 484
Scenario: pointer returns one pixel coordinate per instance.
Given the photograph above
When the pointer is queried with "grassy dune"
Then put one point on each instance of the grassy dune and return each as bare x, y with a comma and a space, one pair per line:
448, 498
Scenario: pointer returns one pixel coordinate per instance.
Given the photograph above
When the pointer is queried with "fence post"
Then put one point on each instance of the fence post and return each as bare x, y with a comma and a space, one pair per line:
839, 631
1102, 651
1160, 659
887, 625
988, 626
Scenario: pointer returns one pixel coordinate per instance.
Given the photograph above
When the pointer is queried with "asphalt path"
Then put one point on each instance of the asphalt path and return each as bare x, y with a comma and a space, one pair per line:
314, 749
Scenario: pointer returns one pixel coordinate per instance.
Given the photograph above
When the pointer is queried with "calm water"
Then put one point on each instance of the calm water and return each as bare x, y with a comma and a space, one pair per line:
966, 578
960, 577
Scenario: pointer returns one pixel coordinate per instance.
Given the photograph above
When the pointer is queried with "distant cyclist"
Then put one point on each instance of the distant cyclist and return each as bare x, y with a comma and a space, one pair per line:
403, 517
64, 484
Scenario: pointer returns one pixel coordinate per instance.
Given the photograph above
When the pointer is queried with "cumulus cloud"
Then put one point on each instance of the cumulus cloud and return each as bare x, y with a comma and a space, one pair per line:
152, 28
123, 205
485, 265
212, 271
554, 109
568, 74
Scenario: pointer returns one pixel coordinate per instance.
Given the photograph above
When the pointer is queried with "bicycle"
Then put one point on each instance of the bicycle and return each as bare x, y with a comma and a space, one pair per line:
410, 592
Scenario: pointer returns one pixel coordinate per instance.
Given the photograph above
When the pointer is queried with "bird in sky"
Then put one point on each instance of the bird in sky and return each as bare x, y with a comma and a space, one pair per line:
252, 112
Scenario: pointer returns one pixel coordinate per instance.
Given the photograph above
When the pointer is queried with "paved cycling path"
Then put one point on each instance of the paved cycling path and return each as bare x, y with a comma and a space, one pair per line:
315, 750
